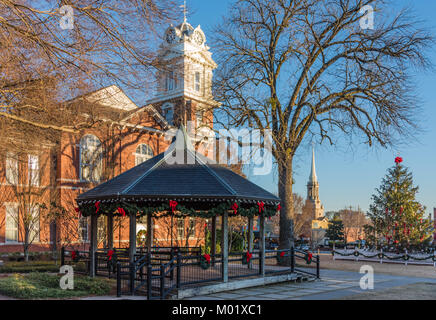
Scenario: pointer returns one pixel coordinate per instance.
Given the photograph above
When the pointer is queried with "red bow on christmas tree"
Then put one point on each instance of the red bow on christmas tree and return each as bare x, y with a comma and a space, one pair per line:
97, 206
261, 206
249, 255
173, 205
398, 160
235, 208
110, 254
121, 211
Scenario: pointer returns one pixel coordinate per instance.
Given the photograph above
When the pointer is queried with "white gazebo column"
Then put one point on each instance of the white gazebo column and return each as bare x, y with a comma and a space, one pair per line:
93, 245
132, 237
262, 245
225, 246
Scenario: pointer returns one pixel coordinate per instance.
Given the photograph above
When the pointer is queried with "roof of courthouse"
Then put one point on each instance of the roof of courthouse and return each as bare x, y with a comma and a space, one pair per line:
181, 174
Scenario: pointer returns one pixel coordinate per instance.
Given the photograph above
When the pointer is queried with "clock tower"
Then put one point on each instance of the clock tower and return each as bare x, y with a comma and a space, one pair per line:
184, 77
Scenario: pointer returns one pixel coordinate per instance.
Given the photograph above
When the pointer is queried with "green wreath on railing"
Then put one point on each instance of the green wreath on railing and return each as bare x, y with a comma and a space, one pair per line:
280, 256
308, 257
247, 257
205, 261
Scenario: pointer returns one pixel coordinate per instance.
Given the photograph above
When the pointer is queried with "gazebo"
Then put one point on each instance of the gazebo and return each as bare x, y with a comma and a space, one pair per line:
180, 182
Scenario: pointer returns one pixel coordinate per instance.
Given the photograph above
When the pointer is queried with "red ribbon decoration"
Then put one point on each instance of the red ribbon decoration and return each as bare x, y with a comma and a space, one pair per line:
73, 255
110, 254
173, 205
121, 211
282, 254
249, 255
398, 160
207, 257
235, 208
261, 206
279, 207
97, 206
78, 211
309, 257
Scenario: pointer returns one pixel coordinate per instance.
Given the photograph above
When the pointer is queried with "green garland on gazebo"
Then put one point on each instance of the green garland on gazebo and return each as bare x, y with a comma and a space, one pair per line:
172, 208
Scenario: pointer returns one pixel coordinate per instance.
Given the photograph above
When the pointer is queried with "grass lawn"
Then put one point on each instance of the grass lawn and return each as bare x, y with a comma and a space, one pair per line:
46, 286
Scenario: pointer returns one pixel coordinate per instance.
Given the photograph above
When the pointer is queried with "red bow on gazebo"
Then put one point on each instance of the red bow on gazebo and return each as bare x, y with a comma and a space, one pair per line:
282, 254
121, 211
261, 206
398, 160
173, 205
235, 208
97, 206
73, 255
78, 211
279, 207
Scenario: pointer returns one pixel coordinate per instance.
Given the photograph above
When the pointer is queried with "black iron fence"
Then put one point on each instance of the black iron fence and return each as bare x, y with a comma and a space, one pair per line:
158, 273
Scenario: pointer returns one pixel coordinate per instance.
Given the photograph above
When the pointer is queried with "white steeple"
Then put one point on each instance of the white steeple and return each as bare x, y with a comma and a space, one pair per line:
312, 177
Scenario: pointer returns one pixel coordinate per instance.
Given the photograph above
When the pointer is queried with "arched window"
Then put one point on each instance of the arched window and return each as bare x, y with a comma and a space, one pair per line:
91, 158
143, 153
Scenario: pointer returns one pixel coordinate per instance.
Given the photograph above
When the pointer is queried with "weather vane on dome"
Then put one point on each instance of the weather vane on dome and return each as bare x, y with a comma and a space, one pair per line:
185, 10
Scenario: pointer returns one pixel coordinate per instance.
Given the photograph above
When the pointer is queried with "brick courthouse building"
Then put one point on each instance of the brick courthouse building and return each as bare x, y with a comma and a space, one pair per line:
45, 182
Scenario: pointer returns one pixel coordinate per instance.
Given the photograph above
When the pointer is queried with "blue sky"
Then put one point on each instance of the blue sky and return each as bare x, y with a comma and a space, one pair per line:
349, 176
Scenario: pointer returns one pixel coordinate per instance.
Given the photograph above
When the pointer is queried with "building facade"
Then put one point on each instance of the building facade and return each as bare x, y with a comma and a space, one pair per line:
39, 188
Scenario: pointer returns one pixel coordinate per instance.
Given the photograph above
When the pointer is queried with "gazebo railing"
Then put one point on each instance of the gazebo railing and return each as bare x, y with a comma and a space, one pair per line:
303, 255
80, 263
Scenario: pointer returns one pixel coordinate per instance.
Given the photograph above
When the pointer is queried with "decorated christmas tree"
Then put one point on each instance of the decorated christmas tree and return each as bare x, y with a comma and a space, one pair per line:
397, 218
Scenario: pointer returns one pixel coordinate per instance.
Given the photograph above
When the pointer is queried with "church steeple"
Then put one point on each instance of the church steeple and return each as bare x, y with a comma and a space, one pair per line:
313, 190
312, 177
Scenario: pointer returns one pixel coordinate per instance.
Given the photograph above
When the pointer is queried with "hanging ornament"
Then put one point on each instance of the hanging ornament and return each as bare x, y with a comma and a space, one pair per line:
235, 208
173, 205
121, 211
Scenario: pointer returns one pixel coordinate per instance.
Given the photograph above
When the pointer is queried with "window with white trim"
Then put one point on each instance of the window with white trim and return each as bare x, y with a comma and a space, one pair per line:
180, 228
33, 170
91, 159
170, 81
83, 229
143, 153
11, 223
12, 168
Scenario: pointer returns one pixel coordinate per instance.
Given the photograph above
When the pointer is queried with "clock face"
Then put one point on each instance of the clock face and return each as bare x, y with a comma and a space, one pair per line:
198, 38
171, 36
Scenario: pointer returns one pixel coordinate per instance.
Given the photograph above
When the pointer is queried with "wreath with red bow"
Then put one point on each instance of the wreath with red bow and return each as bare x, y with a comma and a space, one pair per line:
205, 261
75, 256
246, 259
308, 257
281, 256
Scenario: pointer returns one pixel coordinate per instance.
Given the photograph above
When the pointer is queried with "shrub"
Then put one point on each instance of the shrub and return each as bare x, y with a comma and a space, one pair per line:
30, 266
41, 285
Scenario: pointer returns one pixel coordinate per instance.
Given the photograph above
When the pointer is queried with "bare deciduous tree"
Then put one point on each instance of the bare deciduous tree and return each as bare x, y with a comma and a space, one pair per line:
306, 70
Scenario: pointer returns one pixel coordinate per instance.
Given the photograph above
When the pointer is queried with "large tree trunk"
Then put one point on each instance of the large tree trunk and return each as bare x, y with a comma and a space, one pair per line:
287, 210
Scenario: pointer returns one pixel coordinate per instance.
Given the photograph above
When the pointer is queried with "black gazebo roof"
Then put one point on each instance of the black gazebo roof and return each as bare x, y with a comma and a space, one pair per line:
196, 179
